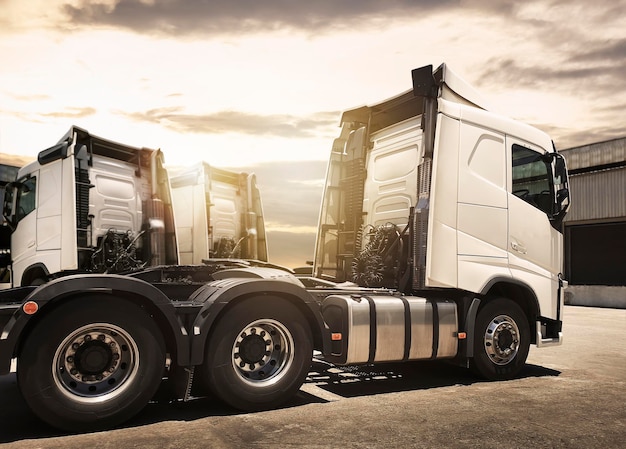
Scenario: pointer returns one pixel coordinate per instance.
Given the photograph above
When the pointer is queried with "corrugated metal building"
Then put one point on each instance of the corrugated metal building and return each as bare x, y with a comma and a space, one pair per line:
595, 227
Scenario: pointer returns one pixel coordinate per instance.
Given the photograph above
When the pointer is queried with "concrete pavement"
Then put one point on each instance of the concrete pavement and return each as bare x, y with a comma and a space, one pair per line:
572, 396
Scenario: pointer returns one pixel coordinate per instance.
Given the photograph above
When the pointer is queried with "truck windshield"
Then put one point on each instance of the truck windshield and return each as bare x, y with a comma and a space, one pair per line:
532, 179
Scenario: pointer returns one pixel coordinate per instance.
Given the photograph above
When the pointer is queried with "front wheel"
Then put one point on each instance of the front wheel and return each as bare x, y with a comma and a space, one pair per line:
91, 363
258, 354
502, 340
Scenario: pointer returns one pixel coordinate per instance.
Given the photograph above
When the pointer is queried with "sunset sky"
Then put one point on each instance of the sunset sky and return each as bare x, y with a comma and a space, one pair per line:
259, 85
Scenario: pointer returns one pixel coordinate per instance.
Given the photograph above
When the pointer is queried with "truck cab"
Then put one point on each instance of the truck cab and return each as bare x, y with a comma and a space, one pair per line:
219, 214
430, 191
89, 205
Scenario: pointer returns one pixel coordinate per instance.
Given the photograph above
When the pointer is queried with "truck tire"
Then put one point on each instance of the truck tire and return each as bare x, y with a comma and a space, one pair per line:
258, 354
502, 340
91, 363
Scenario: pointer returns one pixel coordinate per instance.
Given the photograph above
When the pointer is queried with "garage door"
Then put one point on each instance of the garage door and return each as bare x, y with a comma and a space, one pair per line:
596, 254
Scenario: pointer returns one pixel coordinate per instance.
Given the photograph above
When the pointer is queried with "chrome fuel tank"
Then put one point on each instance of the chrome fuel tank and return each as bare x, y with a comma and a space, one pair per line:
383, 328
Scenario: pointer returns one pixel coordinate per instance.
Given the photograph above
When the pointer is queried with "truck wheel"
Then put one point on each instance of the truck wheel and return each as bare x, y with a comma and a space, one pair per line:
502, 340
258, 354
91, 363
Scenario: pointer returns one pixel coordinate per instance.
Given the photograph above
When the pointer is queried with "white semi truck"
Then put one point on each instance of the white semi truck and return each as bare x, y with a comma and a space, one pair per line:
446, 218
88, 204
218, 215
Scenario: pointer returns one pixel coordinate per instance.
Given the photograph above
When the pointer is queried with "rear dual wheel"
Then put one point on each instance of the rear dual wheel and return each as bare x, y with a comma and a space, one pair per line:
258, 354
91, 363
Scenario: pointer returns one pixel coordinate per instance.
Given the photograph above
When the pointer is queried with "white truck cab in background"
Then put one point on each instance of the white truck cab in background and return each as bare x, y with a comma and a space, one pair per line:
89, 205
218, 214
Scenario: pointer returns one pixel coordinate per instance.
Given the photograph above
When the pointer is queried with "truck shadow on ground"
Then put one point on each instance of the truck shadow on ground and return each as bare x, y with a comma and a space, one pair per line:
19, 423
365, 380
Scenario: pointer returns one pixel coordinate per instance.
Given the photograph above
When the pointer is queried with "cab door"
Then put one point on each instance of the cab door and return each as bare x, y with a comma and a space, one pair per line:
534, 246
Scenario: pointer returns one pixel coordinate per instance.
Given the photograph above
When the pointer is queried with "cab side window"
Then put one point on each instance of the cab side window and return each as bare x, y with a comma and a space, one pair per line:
531, 178
26, 197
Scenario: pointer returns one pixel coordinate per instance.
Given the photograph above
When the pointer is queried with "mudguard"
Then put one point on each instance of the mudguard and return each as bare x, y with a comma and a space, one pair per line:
217, 295
58, 290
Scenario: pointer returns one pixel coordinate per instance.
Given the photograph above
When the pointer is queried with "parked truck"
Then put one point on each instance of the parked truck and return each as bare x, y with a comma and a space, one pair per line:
444, 218
91, 205
88, 204
218, 214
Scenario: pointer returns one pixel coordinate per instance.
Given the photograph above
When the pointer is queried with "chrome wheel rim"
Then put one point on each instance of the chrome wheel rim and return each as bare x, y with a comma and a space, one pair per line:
95, 363
263, 352
502, 340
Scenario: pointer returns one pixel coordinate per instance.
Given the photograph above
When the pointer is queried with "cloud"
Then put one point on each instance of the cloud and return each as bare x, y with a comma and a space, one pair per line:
571, 138
70, 112
28, 97
227, 17
183, 17
613, 50
590, 72
281, 125
592, 80
43, 117
578, 48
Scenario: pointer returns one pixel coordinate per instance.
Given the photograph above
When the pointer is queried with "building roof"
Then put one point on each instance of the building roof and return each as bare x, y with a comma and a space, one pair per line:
597, 156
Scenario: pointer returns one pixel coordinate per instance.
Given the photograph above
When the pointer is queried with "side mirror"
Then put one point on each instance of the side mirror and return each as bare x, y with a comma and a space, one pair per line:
559, 166
560, 169
561, 184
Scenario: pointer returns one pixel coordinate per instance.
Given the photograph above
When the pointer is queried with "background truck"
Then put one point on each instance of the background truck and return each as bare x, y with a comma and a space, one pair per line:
218, 215
92, 205
446, 215
89, 205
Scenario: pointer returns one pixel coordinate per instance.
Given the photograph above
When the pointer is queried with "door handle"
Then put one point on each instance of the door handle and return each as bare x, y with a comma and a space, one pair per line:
518, 247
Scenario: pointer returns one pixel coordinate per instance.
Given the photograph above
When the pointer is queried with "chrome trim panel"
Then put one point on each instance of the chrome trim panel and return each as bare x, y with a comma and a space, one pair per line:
390, 328
358, 329
421, 328
448, 338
